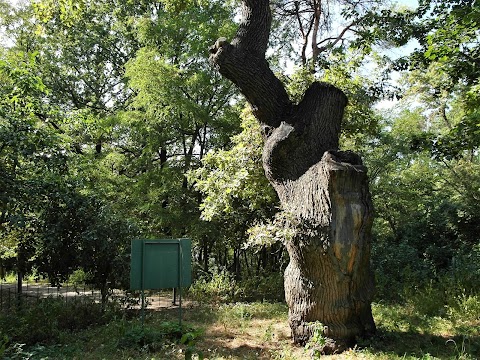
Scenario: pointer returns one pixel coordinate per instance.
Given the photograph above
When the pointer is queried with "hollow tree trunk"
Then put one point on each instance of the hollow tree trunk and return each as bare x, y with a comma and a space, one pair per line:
326, 205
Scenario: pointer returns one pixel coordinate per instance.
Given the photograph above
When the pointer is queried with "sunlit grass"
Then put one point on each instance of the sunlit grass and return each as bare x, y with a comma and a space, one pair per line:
260, 331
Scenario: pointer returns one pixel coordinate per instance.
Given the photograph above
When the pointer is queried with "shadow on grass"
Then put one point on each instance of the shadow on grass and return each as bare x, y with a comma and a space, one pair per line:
406, 336
235, 352
417, 345
220, 325
204, 315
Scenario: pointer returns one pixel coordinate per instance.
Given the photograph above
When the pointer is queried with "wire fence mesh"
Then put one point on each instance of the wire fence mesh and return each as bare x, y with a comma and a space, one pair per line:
33, 292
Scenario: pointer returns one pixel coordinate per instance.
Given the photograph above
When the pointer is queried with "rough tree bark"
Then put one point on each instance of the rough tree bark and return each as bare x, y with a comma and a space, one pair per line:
323, 191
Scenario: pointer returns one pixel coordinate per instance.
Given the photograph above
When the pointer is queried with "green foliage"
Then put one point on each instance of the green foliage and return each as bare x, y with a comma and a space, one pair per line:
270, 232
426, 205
345, 72
19, 351
265, 287
465, 270
414, 335
189, 339
33, 157
451, 293
78, 277
3, 345
68, 11
154, 339
397, 267
141, 337
236, 193
232, 179
452, 36
464, 308
219, 287
241, 314
49, 319
107, 107
317, 341
106, 251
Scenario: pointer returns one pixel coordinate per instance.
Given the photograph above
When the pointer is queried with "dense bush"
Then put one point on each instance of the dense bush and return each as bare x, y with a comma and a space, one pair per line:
464, 273
399, 268
46, 321
258, 288
221, 287
403, 274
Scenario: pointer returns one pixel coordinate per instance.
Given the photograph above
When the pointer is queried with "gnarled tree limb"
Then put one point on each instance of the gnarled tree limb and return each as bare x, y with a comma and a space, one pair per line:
243, 62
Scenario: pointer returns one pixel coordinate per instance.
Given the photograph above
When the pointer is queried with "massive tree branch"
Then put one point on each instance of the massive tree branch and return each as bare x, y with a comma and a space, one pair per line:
303, 131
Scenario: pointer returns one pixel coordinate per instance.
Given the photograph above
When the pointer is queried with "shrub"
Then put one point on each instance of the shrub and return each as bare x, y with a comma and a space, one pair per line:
399, 271
429, 300
465, 308
218, 287
464, 273
45, 321
150, 338
260, 288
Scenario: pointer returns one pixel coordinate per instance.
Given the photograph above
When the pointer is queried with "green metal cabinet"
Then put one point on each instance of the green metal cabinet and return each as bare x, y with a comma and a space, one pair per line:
160, 264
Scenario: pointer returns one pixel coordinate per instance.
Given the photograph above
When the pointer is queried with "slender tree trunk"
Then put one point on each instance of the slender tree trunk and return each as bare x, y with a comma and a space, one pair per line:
326, 206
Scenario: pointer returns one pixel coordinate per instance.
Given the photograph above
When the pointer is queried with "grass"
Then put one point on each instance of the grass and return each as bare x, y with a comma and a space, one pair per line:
259, 331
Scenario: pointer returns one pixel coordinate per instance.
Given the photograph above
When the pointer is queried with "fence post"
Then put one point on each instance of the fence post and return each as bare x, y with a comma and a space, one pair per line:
19, 288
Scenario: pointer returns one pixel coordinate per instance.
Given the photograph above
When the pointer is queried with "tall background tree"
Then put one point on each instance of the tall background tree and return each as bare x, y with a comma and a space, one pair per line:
128, 91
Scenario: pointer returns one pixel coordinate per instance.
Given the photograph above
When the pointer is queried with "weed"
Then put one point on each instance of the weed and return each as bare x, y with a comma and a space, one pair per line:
46, 321
140, 337
285, 353
189, 339
317, 341
465, 308
461, 350
247, 311
19, 351
154, 339
428, 301
268, 334
242, 311
3, 345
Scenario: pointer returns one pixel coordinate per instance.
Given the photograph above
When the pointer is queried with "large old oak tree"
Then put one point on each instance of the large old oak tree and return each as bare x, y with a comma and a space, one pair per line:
323, 191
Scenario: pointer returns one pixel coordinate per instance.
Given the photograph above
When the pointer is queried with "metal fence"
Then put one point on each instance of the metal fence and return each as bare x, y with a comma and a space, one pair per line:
33, 292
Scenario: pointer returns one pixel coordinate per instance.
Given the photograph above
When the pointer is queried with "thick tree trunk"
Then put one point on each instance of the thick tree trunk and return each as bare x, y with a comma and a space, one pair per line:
328, 277
327, 210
